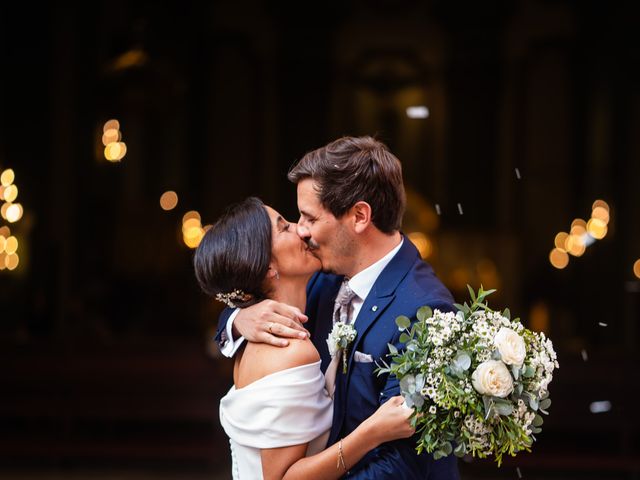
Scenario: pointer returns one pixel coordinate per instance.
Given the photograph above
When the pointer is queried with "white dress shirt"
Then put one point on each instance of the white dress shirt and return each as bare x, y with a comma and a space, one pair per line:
361, 284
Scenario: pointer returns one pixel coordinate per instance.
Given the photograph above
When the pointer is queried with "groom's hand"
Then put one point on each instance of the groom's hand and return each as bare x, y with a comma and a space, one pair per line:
270, 322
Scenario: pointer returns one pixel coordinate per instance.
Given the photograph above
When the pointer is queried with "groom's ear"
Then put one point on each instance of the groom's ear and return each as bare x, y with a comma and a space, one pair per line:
361, 216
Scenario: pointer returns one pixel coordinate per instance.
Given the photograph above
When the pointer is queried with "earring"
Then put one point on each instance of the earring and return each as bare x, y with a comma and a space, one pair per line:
277, 275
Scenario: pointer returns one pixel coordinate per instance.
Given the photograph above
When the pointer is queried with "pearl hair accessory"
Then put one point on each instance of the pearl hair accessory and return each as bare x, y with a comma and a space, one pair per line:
230, 298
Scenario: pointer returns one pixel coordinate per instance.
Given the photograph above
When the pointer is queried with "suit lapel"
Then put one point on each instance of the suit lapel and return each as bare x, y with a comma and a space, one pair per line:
383, 292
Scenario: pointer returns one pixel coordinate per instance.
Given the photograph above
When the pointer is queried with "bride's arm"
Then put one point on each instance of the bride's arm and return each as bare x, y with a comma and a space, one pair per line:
389, 422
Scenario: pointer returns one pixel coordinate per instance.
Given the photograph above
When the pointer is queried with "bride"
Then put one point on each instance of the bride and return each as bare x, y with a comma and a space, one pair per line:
278, 413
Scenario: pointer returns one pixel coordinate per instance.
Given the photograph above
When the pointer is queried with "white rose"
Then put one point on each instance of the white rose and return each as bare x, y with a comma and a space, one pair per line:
511, 346
492, 378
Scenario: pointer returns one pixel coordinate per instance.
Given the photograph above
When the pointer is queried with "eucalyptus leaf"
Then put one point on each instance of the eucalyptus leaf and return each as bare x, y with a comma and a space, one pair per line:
462, 361
408, 384
424, 313
447, 448
538, 421
403, 322
516, 371
460, 450
503, 408
533, 402
438, 454
518, 389
496, 355
392, 349
528, 372
404, 338
507, 313
544, 404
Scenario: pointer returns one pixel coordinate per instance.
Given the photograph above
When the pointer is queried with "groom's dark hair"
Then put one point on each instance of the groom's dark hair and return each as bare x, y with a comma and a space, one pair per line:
234, 254
354, 169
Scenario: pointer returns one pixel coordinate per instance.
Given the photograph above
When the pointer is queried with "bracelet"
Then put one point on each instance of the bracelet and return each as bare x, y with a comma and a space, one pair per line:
341, 458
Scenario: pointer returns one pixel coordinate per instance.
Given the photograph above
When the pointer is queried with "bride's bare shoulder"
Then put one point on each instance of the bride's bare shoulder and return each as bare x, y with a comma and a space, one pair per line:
268, 359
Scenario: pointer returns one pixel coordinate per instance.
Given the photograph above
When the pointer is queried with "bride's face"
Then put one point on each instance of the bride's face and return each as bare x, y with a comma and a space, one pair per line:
290, 256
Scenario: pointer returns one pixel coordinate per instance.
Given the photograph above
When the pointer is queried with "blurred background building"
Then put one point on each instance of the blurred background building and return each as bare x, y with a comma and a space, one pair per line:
126, 128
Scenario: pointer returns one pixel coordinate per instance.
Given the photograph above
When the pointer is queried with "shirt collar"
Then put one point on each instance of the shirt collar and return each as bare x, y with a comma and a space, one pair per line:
362, 282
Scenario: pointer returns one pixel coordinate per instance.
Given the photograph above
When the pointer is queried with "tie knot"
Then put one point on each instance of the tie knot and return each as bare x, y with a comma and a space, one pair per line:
345, 294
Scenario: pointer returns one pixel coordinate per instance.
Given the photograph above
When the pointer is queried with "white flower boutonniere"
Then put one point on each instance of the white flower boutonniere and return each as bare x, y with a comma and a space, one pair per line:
341, 336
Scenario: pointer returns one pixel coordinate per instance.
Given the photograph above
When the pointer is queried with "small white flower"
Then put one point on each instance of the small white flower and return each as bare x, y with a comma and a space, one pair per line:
432, 409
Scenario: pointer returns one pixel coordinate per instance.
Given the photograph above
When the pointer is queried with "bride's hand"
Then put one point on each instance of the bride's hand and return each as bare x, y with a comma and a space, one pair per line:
270, 322
391, 420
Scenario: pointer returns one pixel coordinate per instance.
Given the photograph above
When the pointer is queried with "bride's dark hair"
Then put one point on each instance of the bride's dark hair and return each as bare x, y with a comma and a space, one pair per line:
234, 254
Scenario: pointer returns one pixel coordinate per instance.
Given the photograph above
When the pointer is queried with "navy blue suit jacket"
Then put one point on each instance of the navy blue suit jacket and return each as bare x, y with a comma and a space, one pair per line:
406, 284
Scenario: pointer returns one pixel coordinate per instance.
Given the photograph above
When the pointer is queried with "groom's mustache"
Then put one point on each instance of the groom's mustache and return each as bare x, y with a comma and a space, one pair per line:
311, 245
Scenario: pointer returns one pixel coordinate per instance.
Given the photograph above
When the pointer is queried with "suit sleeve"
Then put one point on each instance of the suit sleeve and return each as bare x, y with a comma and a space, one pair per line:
399, 459
222, 337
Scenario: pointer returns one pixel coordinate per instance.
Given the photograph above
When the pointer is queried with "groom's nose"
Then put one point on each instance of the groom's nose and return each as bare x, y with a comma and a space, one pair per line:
303, 231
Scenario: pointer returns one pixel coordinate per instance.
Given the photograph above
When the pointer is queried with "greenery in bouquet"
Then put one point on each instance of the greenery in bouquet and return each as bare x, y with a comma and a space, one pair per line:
477, 379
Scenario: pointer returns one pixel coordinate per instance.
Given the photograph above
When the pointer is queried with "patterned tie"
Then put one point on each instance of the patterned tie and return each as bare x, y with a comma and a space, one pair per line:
341, 313
342, 305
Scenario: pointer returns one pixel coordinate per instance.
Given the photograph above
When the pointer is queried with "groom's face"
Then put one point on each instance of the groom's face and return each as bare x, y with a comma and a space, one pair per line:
328, 237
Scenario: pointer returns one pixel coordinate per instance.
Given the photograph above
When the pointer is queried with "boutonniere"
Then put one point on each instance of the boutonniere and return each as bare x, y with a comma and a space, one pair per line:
341, 336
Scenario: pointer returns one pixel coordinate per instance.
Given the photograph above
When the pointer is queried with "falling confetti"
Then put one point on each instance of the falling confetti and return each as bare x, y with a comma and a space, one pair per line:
602, 324
518, 174
437, 209
584, 355
460, 208
518, 468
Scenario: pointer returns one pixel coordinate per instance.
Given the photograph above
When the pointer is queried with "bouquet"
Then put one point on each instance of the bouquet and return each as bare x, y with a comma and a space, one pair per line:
477, 379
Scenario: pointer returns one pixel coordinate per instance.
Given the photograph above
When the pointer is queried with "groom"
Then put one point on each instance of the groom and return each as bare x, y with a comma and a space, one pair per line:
351, 201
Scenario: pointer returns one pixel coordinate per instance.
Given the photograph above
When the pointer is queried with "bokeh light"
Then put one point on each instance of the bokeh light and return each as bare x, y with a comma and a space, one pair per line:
11, 261
601, 214
422, 243
636, 268
11, 245
7, 177
5, 231
115, 151
561, 240
600, 203
10, 193
169, 200
192, 231
3, 210
14, 212
417, 111
191, 214
111, 135
559, 258
112, 124
575, 245
597, 228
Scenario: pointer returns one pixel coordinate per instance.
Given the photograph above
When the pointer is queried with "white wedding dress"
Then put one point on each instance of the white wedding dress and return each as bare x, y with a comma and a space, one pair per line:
285, 408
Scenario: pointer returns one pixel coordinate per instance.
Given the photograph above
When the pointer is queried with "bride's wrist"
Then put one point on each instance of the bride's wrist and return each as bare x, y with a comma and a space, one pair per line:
369, 433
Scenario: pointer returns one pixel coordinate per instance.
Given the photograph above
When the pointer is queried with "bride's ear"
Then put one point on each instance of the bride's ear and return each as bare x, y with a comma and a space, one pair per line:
272, 273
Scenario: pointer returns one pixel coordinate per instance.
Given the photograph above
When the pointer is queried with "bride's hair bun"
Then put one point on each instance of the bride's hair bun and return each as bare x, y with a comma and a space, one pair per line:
233, 257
